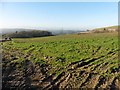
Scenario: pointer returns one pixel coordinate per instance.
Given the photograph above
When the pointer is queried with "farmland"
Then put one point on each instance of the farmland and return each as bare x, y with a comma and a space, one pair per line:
64, 61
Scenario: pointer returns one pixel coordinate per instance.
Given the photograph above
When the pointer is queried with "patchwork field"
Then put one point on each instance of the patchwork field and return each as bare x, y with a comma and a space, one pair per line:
64, 61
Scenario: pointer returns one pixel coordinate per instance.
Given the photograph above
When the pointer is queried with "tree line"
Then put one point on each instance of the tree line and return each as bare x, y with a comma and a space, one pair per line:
28, 34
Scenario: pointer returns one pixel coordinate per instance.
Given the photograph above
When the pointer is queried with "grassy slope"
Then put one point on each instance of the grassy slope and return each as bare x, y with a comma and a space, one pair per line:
85, 60
109, 27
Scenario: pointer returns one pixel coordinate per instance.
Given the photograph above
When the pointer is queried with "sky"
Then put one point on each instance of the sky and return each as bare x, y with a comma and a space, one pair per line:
60, 0
58, 15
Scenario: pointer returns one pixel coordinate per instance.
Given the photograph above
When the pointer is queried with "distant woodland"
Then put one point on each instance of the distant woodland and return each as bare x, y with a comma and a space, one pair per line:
28, 34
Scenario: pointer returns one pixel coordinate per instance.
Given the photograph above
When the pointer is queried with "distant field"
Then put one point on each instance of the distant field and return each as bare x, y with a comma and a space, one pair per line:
110, 27
64, 61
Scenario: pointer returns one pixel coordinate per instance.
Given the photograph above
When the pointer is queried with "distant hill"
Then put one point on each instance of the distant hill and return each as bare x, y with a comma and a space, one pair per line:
12, 30
61, 32
27, 34
105, 29
54, 32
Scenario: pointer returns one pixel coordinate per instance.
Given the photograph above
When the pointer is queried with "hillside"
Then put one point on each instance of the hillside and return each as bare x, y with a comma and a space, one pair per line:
64, 61
105, 29
53, 31
28, 34
110, 27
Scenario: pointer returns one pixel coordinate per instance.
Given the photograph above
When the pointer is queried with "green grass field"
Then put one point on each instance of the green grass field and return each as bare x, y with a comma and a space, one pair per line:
64, 61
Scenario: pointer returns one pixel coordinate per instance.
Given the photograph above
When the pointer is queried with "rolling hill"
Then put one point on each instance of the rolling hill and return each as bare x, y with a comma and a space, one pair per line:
105, 29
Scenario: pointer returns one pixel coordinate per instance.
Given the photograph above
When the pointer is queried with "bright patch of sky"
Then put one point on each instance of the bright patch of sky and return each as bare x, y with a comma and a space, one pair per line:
57, 15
